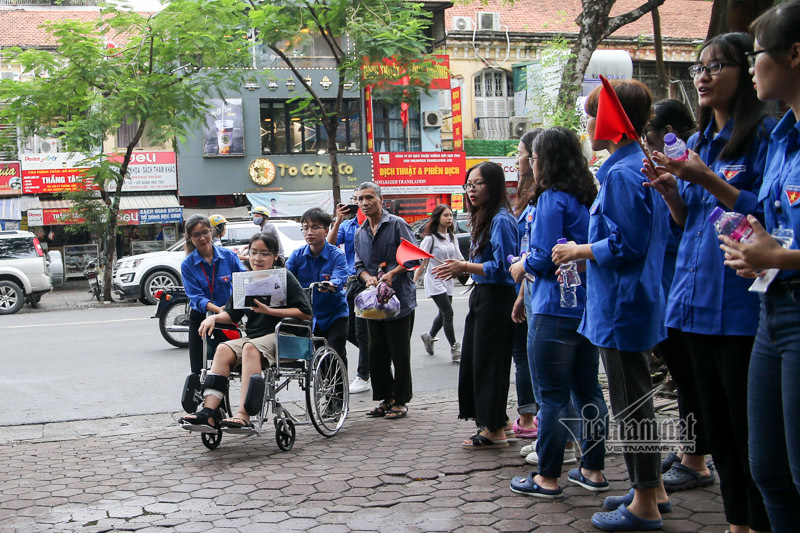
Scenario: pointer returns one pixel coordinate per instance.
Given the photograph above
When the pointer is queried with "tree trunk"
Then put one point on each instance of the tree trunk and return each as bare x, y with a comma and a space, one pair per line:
662, 82
719, 18
333, 152
581, 53
743, 12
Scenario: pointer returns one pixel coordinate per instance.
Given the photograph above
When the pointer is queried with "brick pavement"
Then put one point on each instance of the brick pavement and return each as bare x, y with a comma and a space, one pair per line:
72, 295
375, 475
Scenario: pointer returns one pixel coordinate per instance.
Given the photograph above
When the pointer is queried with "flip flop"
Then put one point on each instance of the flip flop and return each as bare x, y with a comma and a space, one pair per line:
236, 422
621, 519
394, 414
479, 442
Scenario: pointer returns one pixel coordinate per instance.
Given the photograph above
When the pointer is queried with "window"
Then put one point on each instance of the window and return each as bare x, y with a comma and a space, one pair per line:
282, 133
17, 249
494, 94
8, 143
389, 133
126, 132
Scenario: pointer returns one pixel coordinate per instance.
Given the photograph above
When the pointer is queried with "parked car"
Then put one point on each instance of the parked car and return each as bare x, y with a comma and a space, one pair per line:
462, 233
140, 276
24, 271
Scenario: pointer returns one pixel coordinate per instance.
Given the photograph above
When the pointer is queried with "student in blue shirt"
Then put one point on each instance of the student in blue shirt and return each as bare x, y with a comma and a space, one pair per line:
483, 377
708, 302
773, 403
624, 314
207, 278
320, 261
565, 363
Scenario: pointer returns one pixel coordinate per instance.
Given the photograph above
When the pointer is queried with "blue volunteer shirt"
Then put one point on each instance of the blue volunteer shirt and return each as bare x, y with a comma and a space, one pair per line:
780, 192
329, 265
558, 214
346, 235
707, 297
199, 277
628, 234
494, 256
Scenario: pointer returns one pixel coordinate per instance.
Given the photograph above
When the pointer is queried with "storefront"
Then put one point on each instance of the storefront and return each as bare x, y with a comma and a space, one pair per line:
10, 191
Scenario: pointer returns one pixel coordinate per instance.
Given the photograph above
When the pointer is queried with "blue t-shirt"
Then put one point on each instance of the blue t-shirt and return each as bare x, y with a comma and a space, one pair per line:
199, 277
329, 265
707, 297
780, 192
494, 256
628, 234
346, 236
558, 214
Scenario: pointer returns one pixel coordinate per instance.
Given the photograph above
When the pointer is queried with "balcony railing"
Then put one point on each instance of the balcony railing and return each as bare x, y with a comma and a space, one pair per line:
492, 128
55, 3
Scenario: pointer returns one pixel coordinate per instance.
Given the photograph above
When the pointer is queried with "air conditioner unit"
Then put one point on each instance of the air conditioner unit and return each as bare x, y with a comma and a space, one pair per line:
48, 145
462, 23
431, 119
489, 21
519, 125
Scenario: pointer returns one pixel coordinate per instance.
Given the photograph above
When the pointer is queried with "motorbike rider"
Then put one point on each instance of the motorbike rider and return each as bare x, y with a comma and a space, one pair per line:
218, 228
260, 216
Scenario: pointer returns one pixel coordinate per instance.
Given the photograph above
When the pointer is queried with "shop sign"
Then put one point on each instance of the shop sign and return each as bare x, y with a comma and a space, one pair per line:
10, 178
458, 135
419, 172
160, 214
149, 171
52, 173
457, 202
62, 216
509, 165
9, 225
438, 69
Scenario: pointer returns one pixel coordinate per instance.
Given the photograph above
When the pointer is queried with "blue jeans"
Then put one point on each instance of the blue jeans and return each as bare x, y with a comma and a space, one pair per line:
526, 402
773, 406
566, 364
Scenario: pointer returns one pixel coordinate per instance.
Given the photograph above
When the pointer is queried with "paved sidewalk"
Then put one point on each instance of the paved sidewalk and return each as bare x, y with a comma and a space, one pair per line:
73, 294
146, 474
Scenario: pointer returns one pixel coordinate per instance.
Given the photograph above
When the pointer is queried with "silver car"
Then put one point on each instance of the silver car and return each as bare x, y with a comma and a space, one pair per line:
24, 271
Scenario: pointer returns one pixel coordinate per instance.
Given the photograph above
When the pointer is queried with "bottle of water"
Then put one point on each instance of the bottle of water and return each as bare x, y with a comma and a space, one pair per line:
675, 148
730, 224
568, 279
515, 258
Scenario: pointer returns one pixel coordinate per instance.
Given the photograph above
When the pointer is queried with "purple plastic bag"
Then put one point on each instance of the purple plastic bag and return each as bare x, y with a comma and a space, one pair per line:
377, 303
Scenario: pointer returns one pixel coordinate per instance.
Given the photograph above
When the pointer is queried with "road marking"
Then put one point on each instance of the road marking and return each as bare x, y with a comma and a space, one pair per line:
76, 323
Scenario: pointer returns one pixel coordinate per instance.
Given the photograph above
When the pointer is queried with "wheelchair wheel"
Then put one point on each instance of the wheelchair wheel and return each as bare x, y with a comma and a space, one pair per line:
212, 440
327, 393
285, 434
174, 323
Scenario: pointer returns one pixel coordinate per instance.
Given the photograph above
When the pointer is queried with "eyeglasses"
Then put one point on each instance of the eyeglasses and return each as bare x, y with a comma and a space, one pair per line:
200, 234
753, 55
476, 185
531, 160
261, 255
713, 68
306, 229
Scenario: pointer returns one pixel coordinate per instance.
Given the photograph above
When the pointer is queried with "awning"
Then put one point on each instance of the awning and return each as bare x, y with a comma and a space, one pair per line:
149, 201
9, 209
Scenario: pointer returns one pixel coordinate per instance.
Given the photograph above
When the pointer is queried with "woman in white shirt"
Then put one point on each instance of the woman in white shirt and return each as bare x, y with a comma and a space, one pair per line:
441, 242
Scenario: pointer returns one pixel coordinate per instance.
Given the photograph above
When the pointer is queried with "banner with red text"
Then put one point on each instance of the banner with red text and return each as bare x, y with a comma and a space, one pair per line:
419, 172
150, 171
62, 216
458, 135
10, 178
51, 173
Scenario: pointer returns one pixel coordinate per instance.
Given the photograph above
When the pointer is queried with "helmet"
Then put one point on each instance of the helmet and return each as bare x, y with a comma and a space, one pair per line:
216, 220
261, 210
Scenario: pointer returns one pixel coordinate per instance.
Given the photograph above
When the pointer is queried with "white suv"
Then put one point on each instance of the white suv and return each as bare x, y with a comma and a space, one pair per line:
140, 276
24, 271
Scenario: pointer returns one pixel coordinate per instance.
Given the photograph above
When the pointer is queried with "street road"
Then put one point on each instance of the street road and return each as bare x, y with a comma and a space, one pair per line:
99, 363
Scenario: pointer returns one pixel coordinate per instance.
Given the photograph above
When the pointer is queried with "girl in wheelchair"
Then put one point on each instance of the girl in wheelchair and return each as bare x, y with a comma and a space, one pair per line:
257, 349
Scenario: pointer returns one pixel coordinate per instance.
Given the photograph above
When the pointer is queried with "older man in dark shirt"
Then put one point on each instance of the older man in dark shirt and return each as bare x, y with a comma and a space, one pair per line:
376, 242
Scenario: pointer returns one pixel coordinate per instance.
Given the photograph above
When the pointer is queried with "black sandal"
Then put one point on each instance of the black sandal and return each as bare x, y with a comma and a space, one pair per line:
202, 418
381, 410
396, 412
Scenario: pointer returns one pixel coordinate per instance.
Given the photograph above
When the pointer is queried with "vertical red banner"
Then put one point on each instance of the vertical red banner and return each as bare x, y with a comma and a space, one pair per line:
458, 136
368, 114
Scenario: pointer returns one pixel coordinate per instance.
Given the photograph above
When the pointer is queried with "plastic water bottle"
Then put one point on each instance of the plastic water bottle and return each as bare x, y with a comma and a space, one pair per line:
568, 279
675, 148
515, 258
730, 224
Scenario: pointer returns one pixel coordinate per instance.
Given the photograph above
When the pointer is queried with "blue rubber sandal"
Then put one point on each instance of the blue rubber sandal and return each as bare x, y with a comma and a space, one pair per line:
576, 477
526, 486
623, 520
612, 502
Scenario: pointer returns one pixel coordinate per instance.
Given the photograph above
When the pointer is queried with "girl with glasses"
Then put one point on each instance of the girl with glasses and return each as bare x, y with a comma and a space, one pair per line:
206, 273
708, 303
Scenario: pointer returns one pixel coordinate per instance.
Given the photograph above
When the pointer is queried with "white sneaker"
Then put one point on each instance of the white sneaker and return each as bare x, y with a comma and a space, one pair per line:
533, 457
455, 352
359, 385
428, 341
527, 449
569, 457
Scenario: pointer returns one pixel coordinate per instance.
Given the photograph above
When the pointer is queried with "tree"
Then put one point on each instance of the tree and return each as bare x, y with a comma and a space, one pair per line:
356, 33
735, 15
85, 89
595, 24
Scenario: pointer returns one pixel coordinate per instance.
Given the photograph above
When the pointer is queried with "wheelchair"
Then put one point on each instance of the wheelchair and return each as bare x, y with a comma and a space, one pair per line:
301, 357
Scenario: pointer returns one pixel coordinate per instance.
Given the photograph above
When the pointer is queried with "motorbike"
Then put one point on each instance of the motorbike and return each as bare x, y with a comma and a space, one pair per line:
92, 275
172, 313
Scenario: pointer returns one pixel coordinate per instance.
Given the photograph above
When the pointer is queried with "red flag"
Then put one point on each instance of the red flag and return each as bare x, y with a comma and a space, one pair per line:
611, 121
411, 252
404, 106
360, 216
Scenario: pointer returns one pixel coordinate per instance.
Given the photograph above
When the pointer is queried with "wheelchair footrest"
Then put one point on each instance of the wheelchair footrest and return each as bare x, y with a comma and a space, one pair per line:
198, 428
241, 431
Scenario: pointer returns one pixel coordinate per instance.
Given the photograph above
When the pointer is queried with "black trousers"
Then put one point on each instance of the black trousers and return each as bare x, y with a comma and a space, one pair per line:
444, 318
358, 335
390, 345
675, 353
721, 364
336, 335
483, 377
630, 390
